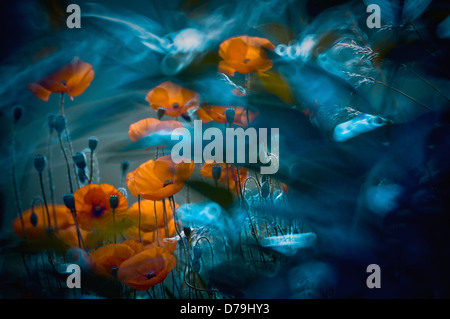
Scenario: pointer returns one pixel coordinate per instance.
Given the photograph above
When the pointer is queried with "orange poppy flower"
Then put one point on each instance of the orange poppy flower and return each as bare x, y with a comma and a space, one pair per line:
148, 222
149, 126
135, 245
113, 255
244, 55
175, 99
38, 231
93, 208
73, 79
162, 178
232, 178
150, 236
147, 268
69, 236
208, 113
169, 244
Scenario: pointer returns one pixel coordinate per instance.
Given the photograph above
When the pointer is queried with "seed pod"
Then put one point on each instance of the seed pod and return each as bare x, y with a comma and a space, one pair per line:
40, 162
230, 114
69, 201
59, 123
80, 160
196, 265
81, 175
114, 201
51, 121
93, 141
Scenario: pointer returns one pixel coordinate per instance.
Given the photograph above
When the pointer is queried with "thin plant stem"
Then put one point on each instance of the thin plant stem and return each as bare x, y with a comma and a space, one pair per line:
50, 178
14, 180
92, 167
45, 201
67, 162
156, 222
139, 208
424, 80
166, 226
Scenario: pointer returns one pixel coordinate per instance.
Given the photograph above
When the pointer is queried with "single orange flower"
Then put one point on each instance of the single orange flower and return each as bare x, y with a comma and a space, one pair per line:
208, 113
36, 229
228, 174
93, 207
173, 98
148, 220
159, 179
135, 245
149, 237
150, 126
72, 78
244, 55
69, 236
105, 258
169, 244
147, 268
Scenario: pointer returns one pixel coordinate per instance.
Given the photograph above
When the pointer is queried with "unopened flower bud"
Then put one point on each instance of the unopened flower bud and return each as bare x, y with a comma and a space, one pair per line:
80, 160
34, 219
125, 165
230, 114
265, 189
93, 141
196, 265
160, 112
17, 113
216, 171
81, 175
40, 162
69, 201
113, 201
59, 122
197, 252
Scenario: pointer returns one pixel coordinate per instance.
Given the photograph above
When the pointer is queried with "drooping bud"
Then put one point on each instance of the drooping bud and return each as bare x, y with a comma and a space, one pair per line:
265, 189
93, 141
197, 252
59, 122
230, 114
125, 165
216, 171
69, 201
80, 160
40, 162
113, 201
160, 113
17, 113
187, 231
34, 219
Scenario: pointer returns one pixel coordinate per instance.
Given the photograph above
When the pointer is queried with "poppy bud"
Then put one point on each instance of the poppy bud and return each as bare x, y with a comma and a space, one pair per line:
187, 231
40, 162
33, 219
17, 113
160, 112
80, 160
125, 165
113, 201
59, 122
197, 252
216, 171
69, 201
51, 121
230, 114
265, 189
93, 141
196, 265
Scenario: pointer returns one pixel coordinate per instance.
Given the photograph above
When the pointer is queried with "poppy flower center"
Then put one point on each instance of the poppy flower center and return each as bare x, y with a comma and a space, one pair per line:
167, 182
175, 105
151, 274
246, 60
98, 210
